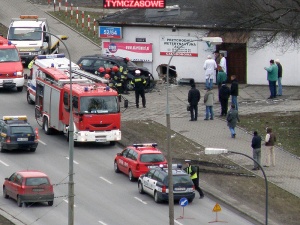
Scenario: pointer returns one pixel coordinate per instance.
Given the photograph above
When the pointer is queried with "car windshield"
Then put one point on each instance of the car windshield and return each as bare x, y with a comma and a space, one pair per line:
151, 158
35, 181
21, 130
99, 104
24, 33
9, 55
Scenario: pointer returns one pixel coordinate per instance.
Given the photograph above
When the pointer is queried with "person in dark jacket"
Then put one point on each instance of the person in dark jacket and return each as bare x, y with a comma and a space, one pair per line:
234, 91
224, 94
193, 171
256, 146
279, 91
139, 87
193, 99
232, 119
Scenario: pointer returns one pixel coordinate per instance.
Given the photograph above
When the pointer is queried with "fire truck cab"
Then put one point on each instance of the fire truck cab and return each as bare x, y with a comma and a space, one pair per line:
11, 68
58, 61
95, 107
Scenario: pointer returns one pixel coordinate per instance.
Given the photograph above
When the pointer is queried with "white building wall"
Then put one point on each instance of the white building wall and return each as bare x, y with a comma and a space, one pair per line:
192, 67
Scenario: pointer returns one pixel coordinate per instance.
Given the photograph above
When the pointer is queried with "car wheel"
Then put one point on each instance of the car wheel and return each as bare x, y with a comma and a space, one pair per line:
19, 89
116, 168
50, 203
19, 203
30, 102
32, 149
5, 195
130, 176
156, 198
1, 147
141, 189
46, 126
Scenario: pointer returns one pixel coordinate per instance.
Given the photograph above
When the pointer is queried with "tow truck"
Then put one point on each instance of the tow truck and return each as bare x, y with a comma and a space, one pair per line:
32, 37
96, 107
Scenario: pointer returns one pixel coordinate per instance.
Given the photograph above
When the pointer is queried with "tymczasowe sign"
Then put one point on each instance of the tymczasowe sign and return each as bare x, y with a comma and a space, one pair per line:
134, 4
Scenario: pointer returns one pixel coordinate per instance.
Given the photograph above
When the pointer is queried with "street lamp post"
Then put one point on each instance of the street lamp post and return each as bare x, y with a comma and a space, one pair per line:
213, 40
216, 151
71, 141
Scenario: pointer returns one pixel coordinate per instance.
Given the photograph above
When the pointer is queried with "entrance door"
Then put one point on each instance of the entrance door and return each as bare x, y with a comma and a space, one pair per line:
236, 61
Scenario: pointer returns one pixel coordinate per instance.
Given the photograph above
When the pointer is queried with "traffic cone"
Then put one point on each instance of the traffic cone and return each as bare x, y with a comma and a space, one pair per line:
37, 134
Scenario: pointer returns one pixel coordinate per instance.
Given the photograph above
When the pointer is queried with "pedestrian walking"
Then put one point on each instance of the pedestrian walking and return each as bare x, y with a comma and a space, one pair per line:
193, 99
256, 148
234, 91
221, 77
224, 94
272, 76
209, 103
270, 140
232, 119
139, 88
210, 67
193, 171
279, 91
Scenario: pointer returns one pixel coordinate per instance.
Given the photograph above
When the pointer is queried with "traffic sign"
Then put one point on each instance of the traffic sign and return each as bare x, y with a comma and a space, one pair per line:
183, 202
217, 208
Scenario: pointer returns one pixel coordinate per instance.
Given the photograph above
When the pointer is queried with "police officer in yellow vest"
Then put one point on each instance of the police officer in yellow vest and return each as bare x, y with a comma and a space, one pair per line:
194, 174
30, 65
139, 87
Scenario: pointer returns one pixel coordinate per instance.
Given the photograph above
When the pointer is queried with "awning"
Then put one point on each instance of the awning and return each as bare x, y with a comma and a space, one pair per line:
231, 36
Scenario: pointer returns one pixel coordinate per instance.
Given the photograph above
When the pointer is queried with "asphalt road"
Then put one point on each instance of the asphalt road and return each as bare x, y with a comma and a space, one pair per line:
102, 197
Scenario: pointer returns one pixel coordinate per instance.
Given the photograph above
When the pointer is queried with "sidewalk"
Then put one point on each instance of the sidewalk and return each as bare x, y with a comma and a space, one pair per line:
252, 99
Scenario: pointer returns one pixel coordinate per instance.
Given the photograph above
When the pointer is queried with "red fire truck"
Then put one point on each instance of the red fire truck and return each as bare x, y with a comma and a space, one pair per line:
96, 108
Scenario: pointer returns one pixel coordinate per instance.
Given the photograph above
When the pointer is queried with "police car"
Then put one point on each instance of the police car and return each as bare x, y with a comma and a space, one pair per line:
155, 183
138, 159
16, 133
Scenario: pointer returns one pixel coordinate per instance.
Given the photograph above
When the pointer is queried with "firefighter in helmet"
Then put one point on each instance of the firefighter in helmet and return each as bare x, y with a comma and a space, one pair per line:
110, 82
101, 71
124, 71
139, 86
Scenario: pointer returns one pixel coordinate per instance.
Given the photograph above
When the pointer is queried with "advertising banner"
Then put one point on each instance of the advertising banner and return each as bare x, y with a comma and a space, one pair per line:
169, 44
135, 51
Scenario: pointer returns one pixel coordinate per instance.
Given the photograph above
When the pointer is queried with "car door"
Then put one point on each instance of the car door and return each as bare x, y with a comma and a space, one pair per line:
147, 181
122, 162
153, 181
12, 187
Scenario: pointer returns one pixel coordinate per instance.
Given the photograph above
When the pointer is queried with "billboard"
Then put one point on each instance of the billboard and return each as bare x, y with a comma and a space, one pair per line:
145, 4
135, 51
169, 44
110, 32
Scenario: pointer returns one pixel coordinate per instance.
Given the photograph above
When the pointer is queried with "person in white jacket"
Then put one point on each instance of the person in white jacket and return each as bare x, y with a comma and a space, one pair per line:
210, 67
223, 63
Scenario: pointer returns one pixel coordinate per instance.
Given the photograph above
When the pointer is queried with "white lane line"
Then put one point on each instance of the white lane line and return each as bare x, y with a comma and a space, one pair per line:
42, 142
106, 180
140, 200
73, 160
178, 222
102, 222
68, 202
4, 163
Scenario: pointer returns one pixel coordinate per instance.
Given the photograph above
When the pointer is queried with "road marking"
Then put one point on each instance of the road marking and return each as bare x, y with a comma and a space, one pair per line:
73, 160
106, 180
102, 222
140, 200
42, 142
4, 163
178, 222
68, 202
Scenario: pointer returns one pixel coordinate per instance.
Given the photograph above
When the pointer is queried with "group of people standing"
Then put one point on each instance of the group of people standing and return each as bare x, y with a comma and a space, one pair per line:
274, 75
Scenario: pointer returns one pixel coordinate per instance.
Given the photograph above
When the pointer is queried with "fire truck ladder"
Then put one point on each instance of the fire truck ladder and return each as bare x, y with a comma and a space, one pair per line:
90, 76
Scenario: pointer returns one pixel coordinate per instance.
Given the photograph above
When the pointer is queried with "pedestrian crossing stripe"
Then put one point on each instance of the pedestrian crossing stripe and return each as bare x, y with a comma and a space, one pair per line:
217, 208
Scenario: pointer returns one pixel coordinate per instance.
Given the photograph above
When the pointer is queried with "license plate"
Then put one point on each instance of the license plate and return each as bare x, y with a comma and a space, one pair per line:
179, 189
150, 167
22, 139
7, 81
100, 140
38, 189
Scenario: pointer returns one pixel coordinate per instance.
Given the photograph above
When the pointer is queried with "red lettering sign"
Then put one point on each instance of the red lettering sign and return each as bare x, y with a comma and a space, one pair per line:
134, 4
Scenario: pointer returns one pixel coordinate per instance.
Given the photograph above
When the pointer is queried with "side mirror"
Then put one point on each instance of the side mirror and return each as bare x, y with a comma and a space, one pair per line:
46, 39
126, 103
118, 154
5, 178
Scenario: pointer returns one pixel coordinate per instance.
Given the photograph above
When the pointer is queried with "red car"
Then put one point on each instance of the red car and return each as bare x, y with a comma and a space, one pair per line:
138, 159
29, 186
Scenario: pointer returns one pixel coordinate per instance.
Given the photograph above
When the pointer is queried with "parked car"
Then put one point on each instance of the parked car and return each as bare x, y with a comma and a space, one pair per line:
138, 159
155, 183
92, 63
17, 133
29, 186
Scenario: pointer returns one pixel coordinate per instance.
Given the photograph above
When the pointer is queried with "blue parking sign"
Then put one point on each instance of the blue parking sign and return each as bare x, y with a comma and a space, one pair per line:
183, 202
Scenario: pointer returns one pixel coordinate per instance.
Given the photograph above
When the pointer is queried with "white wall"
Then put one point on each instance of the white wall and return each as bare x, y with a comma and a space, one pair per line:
192, 67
